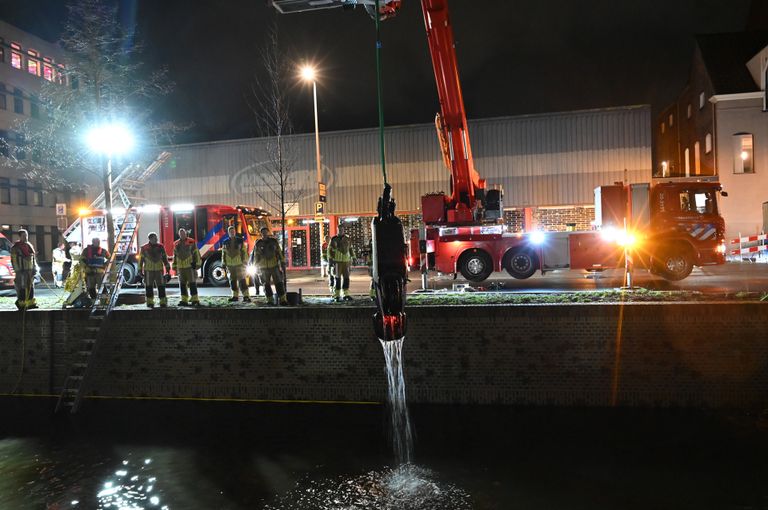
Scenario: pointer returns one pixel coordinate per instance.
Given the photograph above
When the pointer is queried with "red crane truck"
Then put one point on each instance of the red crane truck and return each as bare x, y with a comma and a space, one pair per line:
207, 224
670, 227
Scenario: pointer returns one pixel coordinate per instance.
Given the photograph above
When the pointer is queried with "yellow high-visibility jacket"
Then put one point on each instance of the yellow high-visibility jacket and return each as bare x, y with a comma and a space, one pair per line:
23, 257
152, 257
186, 254
234, 252
340, 249
267, 253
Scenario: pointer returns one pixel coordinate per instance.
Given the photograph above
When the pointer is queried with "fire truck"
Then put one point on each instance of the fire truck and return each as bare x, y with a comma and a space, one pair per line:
667, 228
207, 224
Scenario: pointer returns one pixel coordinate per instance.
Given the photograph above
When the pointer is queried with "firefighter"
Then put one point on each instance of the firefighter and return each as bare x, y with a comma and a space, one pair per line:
152, 261
94, 258
340, 255
24, 262
234, 255
186, 260
269, 260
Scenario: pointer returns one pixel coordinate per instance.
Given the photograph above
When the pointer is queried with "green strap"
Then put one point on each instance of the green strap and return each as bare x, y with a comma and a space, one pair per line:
379, 94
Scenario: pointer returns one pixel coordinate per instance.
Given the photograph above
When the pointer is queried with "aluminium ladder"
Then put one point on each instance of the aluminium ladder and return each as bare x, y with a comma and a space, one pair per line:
107, 293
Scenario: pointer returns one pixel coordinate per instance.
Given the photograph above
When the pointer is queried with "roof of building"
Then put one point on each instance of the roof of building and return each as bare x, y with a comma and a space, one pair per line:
725, 57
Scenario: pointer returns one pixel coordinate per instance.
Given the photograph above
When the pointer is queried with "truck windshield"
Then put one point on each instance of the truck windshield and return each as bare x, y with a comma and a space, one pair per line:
697, 201
254, 224
5, 247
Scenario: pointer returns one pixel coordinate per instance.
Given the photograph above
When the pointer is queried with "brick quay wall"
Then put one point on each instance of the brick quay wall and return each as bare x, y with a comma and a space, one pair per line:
683, 354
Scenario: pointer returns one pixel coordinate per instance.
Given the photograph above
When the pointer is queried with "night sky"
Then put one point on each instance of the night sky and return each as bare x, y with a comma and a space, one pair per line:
515, 56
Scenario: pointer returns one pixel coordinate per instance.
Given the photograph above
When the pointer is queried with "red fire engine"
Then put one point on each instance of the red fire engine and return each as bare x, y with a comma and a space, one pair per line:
6, 270
207, 224
667, 229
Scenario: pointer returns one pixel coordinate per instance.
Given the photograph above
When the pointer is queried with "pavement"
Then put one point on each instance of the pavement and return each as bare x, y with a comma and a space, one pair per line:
731, 278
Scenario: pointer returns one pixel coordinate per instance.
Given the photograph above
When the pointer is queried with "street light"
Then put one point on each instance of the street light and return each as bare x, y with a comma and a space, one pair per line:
109, 140
309, 74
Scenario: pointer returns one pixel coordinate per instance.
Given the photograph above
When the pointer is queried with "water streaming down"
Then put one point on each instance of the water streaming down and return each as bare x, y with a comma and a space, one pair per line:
399, 420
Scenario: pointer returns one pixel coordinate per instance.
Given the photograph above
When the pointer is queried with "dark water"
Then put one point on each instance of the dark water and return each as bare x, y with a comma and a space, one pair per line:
258, 456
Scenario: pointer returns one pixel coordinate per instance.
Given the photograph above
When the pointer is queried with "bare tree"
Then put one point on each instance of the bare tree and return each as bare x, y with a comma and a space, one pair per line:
277, 178
102, 82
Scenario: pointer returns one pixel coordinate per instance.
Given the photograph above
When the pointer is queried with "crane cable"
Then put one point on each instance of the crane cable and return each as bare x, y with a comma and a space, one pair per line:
379, 93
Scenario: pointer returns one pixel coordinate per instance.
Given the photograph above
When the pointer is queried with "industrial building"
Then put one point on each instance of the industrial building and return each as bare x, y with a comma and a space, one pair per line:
548, 166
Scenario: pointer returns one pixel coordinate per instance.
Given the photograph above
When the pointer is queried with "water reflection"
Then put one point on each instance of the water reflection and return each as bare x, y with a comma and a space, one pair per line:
407, 487
131, 488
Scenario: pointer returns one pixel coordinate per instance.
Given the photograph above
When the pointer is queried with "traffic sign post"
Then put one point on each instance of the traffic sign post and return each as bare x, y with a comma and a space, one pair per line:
319, 209
321, 192
61, 209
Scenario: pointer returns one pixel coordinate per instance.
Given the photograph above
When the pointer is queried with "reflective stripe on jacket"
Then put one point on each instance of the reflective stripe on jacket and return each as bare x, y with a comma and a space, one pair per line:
340, 249
152, 257
234, 252
23, 257
185, 254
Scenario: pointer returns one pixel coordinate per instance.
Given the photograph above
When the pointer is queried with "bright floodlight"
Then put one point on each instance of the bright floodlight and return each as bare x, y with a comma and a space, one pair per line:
110, 139
537, 237
308, 73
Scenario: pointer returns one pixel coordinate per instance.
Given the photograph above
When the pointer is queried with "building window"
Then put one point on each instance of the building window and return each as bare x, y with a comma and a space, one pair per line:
16, 55
697, 158
22, 188
33, 64
689, 111
708, 143
687, 162
5, 190
34, 110
37, 196
4, 147
61, 78
743, 153
3, 102
48, 72
663, 127
671, 120
702, 100
18, 105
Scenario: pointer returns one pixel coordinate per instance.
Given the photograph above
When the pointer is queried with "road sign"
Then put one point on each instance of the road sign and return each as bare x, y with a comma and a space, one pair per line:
321, 192
319, 208
61, 223
61, 209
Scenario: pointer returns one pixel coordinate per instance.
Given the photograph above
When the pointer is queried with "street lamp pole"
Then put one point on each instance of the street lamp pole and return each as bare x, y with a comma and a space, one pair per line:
319, 174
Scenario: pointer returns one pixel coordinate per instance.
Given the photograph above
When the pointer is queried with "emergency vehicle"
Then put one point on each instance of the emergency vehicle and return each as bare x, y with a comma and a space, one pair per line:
6, 269
207, 224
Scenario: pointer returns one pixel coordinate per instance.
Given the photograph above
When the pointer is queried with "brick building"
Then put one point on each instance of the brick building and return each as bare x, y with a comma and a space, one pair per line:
718, 127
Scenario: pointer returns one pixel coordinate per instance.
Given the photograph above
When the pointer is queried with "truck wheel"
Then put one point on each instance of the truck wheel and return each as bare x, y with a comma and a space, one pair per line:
129, 273
521, 264
475, 265
216, 274
675, 263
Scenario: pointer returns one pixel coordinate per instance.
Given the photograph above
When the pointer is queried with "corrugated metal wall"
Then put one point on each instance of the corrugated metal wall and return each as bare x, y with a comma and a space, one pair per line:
540, 160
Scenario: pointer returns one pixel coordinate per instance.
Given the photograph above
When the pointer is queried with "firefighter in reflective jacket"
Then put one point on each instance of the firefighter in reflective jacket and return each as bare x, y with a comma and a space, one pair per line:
94, 258
152, 261
23, 260
186, 260
269, 260
340, 255
234, 255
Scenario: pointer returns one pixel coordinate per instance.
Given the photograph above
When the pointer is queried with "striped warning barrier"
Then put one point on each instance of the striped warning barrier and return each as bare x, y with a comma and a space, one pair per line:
755, 248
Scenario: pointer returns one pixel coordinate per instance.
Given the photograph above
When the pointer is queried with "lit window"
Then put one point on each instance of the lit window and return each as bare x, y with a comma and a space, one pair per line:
708, 143
687, 162
16, 59
702, 100
48, 72
697, 158
671, 120
33, 62
663, 127
743, 153
689, 111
